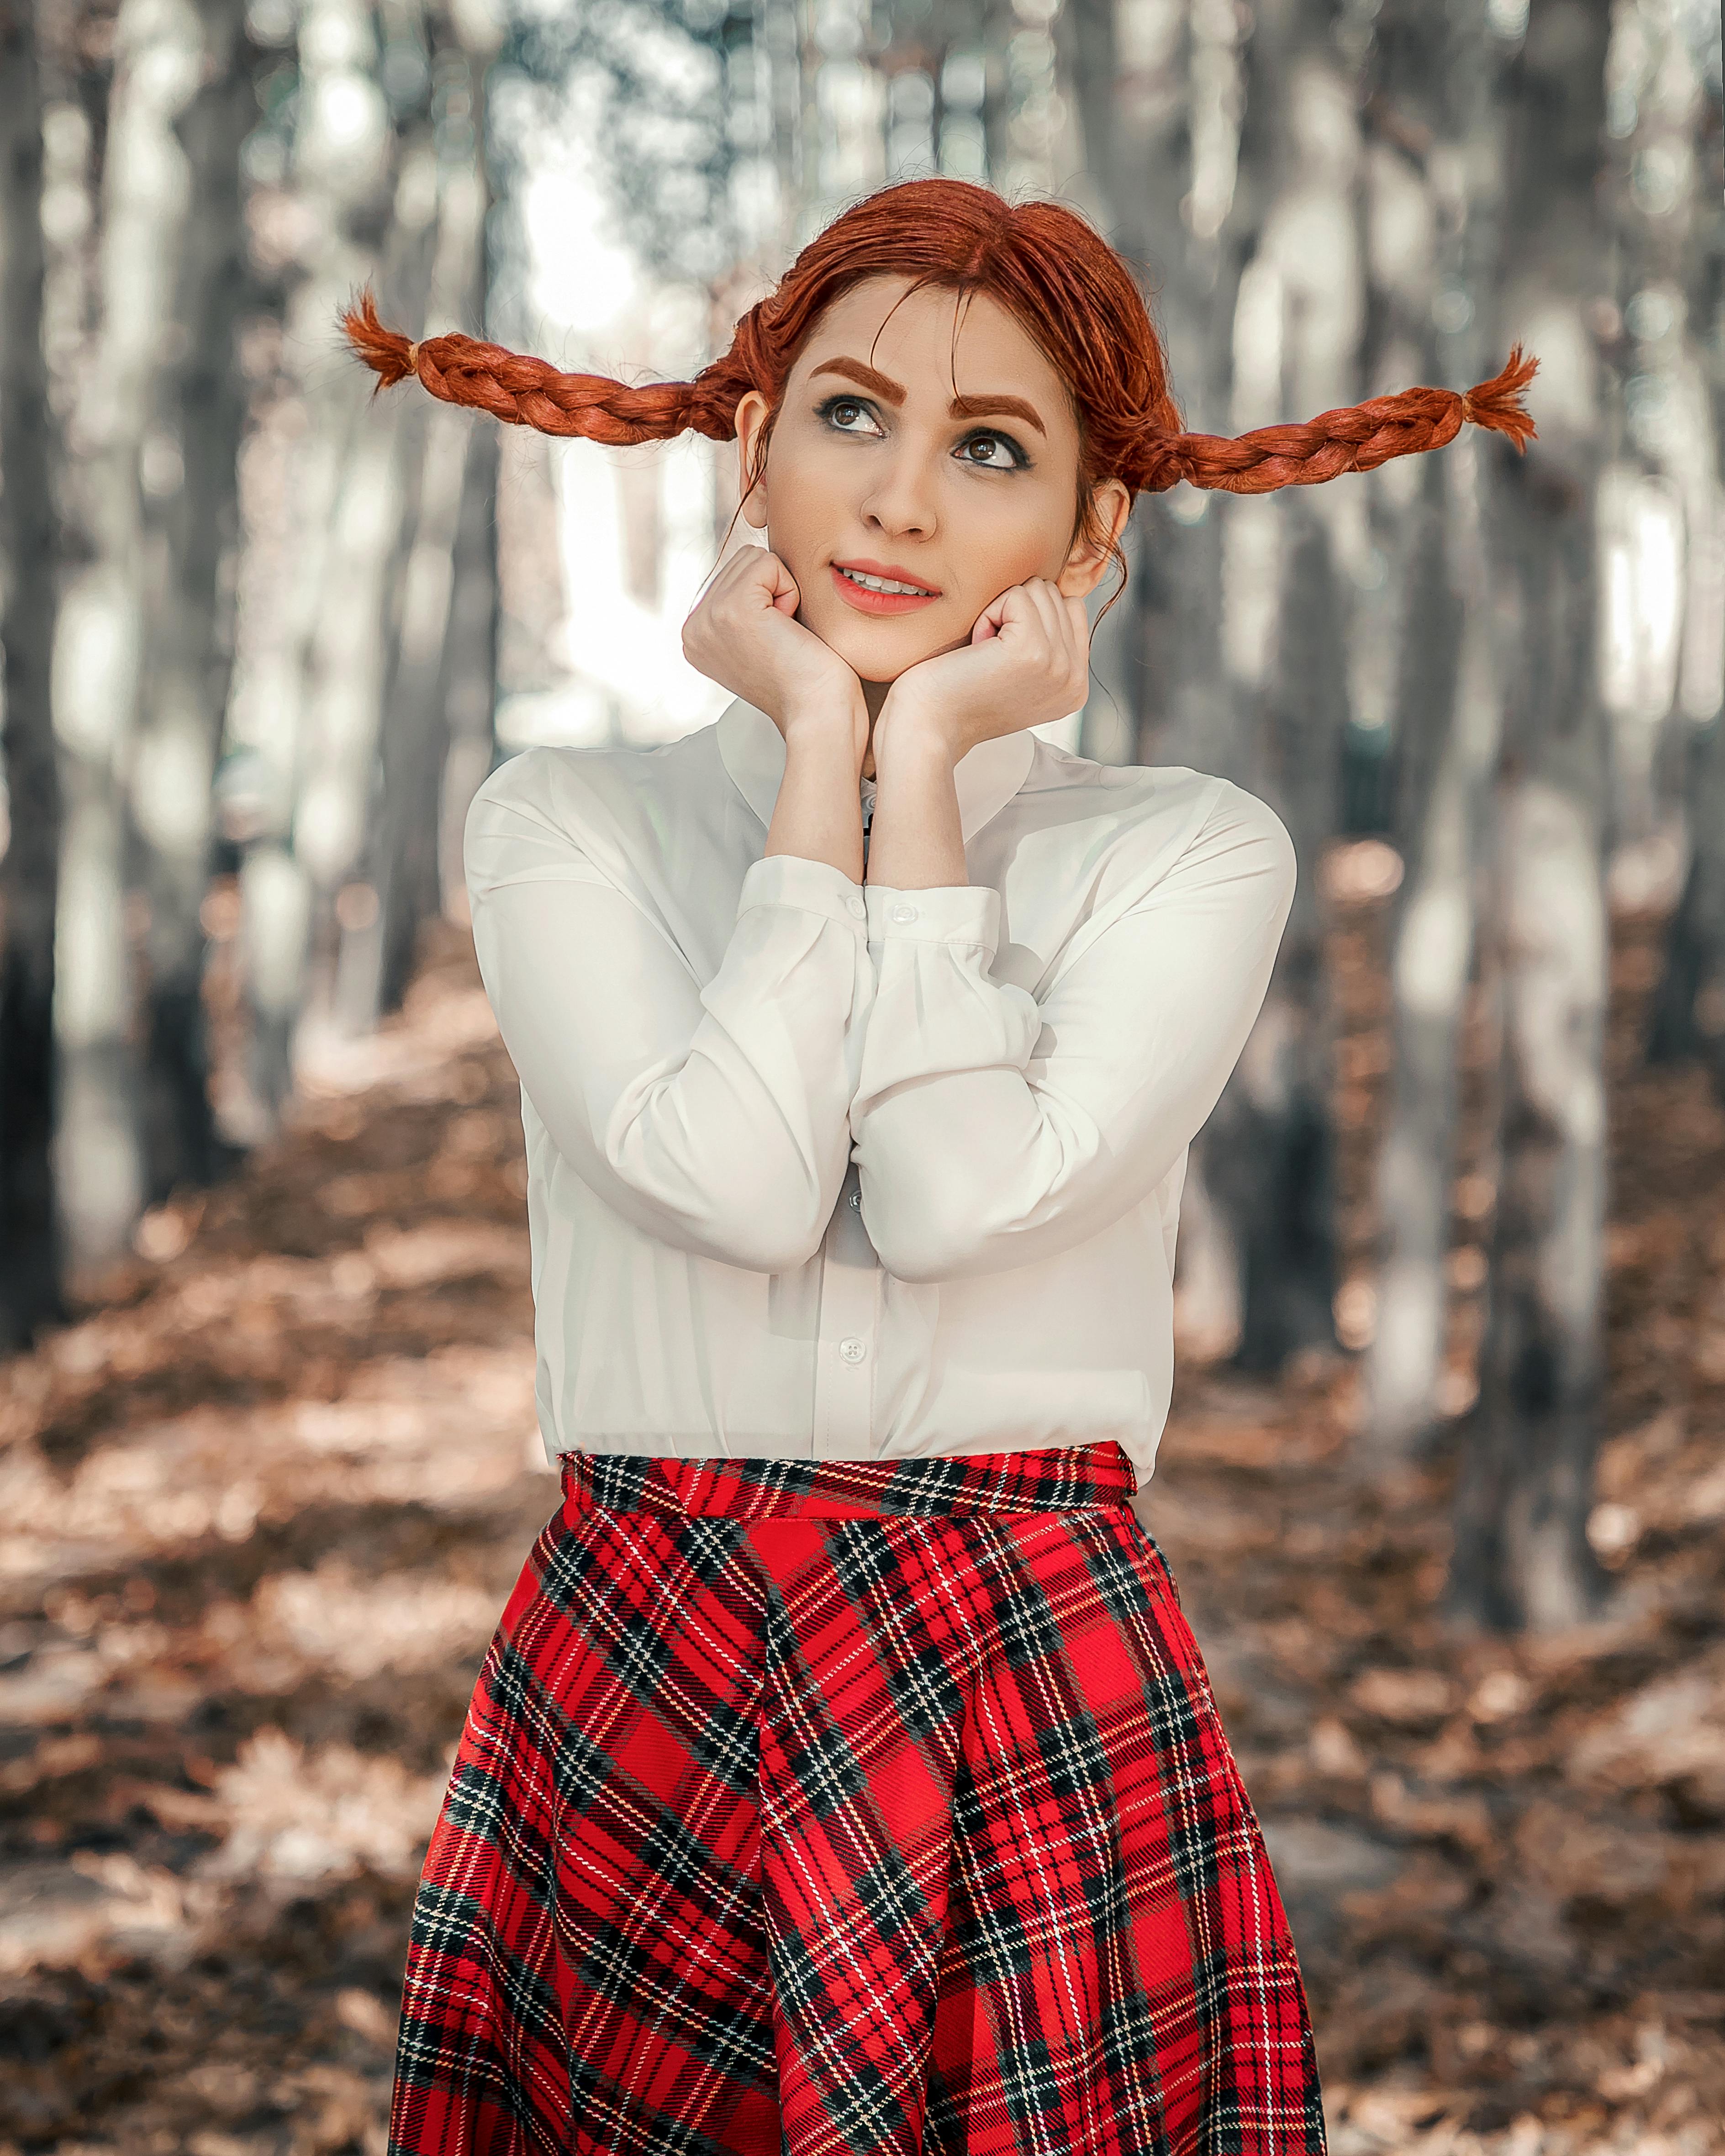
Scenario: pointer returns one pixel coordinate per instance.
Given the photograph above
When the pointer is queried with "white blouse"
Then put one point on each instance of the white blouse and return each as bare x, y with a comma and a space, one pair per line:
822, 1170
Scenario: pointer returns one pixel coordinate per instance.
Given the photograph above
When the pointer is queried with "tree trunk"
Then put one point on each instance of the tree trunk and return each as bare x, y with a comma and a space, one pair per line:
317, 668
1665, 121
200, 418
1270, 1154
1119, 148
29, 1237
1430, 947
1159, 90
1437, 114
417, 732
1269, 1150
471, 663
1521, 1557
101, 631
1688, 1013
415, 739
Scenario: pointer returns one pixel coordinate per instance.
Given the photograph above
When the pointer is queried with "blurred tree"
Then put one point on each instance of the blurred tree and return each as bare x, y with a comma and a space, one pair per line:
370, 167
688, 90
1522, 1555
1688, 1017
321, 508
469, 683
100, 653
29, 1240
443, 613
1425, 664
1663, 115
188, 475
374, 188
1159, 85
1285, 570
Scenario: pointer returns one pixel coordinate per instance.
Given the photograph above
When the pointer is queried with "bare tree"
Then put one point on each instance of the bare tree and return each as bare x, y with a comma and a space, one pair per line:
469, 688
189, 477
355, 193
100, 662
1663, 115
29, 1240
1688, 1013
1425, 652
1522, 1555
1287, 567
454, 492
1160, 88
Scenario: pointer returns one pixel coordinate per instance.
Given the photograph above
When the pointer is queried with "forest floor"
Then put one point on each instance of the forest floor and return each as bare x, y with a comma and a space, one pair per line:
261, 1504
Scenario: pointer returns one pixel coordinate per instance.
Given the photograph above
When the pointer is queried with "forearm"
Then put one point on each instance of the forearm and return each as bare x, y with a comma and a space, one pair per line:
714, 1118
817, 815
917, 842
992, 1127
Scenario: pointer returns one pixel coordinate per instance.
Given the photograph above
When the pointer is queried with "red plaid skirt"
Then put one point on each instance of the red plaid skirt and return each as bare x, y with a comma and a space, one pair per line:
849, 1808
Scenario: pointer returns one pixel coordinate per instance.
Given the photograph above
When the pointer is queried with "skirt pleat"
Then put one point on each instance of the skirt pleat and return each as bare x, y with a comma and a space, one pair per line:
849, 1808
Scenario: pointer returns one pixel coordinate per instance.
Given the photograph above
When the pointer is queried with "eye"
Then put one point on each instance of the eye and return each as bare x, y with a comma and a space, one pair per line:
843, 413
993, 452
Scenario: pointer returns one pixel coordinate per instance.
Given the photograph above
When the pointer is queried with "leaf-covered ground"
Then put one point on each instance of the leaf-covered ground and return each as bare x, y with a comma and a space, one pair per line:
260, 1507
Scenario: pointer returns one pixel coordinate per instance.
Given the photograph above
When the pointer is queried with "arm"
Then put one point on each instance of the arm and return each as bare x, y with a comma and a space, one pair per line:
992, 1130
713, 1118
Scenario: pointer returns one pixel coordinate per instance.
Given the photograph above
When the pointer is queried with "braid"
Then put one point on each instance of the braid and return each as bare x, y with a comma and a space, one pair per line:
1354, 439
531, 392
1073, 293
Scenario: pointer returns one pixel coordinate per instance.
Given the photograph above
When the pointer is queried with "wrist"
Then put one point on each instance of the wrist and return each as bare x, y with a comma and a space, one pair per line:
911, 740
829, 725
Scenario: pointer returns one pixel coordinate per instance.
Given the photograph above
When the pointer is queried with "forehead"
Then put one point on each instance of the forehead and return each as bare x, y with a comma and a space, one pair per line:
909, 334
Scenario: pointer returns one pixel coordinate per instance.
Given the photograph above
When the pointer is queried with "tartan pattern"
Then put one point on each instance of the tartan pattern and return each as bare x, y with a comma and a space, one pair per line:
849, 1808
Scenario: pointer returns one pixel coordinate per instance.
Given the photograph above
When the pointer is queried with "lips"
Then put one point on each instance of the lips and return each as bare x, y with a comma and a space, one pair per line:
866, 601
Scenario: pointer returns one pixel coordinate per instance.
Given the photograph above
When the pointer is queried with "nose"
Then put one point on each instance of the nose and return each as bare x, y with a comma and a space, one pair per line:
901, 502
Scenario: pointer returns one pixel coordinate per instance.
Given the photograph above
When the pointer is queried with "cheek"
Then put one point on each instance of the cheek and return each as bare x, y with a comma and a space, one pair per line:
1003, 536
800, 541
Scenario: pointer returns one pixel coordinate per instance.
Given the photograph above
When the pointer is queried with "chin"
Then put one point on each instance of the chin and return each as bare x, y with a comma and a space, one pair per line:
880, 652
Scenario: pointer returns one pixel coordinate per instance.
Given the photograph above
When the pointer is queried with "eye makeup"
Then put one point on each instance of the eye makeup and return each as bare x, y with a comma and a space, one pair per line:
829, 405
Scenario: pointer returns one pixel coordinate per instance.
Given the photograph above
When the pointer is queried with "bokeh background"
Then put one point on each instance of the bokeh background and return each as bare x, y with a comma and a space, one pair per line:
1444, 1484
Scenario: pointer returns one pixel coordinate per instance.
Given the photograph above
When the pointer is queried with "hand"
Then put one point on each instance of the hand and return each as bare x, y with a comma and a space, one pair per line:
1028, 661
744, 635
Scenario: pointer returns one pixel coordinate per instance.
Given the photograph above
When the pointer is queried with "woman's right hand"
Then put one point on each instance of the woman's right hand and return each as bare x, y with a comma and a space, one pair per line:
743, 634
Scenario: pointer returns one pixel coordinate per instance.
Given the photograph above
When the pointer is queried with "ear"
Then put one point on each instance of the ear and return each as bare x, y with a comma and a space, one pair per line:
1085, 564
752, 411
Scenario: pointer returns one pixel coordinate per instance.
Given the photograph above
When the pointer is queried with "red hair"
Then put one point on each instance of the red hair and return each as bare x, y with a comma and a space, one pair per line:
1057, 276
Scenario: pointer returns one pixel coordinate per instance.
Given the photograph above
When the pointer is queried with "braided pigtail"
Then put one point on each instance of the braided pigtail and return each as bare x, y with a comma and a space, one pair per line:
524, 391
1354, 440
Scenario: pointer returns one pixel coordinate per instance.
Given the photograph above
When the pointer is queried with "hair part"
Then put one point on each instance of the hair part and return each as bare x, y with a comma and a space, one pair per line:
1071, 292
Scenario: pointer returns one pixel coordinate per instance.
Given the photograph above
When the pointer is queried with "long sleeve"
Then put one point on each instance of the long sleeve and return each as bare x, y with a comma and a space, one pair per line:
714, 1117
992, 1130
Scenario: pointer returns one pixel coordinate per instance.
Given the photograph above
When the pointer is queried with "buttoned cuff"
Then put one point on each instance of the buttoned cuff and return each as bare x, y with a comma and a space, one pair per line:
809, 886
966, 914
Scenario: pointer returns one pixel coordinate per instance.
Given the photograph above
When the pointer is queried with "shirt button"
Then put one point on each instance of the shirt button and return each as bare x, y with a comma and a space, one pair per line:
857, 907
854, 1201
853, 1350
902, 913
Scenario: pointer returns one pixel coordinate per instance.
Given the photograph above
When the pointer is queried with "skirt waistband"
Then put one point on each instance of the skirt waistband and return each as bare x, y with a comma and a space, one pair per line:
1059, 1478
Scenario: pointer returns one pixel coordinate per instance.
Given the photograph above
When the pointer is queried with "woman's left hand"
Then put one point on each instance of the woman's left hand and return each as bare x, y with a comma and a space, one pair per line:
1028, 661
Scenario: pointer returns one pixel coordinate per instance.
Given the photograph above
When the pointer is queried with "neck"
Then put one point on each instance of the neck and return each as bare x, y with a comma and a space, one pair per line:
874, 696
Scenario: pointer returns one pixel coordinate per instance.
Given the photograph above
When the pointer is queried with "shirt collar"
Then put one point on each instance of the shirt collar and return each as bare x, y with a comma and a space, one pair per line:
986, 776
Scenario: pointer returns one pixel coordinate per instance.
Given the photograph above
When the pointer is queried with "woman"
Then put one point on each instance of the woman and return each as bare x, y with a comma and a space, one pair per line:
842, 1777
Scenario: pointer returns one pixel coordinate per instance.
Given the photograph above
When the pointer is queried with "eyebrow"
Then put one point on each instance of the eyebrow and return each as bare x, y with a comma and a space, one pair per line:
962, 407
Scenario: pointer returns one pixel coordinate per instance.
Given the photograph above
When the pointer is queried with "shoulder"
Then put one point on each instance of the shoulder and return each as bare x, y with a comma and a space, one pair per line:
580, 788
548, 811
1244, 825
1140, 823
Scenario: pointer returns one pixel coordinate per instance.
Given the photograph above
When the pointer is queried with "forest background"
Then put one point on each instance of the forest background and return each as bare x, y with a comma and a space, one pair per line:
1444, 1480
